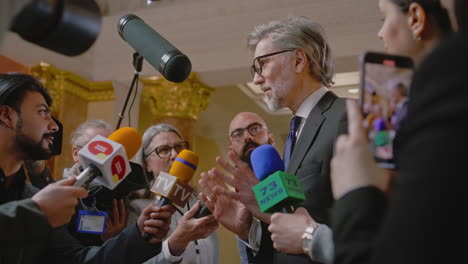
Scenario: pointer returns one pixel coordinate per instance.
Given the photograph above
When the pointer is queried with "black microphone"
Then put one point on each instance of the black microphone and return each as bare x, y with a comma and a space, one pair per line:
164, 57
202, 212
69, 27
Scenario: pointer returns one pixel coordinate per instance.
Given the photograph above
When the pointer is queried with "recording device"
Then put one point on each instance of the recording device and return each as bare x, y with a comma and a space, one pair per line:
202, 212
173, 187
384, 93
277, 190
105, 161
162, 55
69, 27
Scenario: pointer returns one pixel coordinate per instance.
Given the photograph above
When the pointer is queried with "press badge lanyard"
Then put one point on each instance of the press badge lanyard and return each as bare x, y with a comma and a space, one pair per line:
197, 248
91, 221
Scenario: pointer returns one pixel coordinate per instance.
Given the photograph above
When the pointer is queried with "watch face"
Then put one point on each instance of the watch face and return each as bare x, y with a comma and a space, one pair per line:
306, 242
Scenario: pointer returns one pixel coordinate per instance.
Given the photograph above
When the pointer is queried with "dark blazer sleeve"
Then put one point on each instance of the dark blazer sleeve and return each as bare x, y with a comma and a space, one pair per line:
22, 223
362, 207
127, 247
265, 253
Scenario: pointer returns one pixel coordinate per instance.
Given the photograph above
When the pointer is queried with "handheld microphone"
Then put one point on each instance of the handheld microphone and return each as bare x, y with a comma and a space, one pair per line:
162, 55
173, 187
105, 160
277, 190
129, 138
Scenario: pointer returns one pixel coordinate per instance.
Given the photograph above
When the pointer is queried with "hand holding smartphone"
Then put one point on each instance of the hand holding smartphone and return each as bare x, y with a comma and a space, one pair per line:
384, 90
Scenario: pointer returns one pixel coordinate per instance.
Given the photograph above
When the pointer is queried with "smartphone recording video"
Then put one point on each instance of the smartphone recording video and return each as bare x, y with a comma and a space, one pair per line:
384, 91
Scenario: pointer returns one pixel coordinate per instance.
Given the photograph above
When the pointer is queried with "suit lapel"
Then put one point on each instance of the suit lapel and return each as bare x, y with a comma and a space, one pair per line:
309, 132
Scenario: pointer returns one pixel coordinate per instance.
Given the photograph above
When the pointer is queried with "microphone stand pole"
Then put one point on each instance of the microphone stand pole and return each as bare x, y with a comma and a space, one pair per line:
138, 64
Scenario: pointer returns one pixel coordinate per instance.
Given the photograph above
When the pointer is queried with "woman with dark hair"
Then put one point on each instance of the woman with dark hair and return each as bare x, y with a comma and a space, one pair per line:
424, 220
413, 28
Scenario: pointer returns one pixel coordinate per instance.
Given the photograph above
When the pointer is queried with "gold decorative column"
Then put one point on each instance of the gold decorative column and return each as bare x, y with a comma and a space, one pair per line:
178, 104
71, 94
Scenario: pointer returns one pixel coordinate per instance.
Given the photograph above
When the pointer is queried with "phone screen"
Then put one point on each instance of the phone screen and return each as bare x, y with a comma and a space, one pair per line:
385, 81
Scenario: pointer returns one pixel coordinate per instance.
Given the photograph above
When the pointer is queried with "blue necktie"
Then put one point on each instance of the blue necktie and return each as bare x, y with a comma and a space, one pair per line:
291, 141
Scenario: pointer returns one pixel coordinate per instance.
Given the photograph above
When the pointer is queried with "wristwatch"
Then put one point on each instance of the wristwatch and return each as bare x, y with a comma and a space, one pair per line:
307, 238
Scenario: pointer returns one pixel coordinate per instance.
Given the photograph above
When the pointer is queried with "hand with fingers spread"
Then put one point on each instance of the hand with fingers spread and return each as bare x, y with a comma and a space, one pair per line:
58, 200
230, 213
243, 180
155, 221
116, 222
352, 165
190, 229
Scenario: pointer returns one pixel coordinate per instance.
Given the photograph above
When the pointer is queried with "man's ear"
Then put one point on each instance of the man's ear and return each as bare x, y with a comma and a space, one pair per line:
75, 154
301, 60
7, 116
417, 20
271, 139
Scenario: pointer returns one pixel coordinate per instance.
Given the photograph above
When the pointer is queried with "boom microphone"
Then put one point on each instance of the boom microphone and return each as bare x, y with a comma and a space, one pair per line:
105, 160
69, 27
173, 187
277, 190
167, 59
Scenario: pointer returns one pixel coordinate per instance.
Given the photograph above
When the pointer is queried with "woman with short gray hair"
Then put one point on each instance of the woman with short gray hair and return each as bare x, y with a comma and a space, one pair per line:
190, 240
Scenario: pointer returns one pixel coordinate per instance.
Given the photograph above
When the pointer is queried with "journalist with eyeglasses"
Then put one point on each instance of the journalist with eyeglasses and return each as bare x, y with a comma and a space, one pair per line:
190, 240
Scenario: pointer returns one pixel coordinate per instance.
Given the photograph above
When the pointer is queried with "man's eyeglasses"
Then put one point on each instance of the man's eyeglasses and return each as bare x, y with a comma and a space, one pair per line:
257, 66
165, 151
253, 129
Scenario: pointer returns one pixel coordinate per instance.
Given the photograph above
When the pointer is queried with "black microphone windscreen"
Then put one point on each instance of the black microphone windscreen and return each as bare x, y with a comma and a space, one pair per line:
162, 55
69, 27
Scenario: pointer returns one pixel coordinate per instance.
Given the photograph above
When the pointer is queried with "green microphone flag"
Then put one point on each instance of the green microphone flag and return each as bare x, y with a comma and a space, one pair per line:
278, 190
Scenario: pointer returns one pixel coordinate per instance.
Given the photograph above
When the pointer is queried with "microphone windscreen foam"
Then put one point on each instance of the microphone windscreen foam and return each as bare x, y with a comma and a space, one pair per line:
129, 138
266, 161
184, 165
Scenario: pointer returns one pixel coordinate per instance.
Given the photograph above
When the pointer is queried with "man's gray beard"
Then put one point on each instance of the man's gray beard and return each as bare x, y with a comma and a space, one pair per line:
273, 106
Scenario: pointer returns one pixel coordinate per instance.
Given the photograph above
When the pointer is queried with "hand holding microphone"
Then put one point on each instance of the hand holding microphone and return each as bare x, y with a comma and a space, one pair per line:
106, 159
58, 200
287, 230
154, 222
277, 190
173, 187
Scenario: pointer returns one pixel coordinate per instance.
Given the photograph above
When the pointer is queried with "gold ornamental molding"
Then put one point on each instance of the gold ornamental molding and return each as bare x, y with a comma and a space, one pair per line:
167, 99
58, 82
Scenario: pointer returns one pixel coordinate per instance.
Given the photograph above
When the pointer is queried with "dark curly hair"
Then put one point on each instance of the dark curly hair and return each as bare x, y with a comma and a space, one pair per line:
13, 87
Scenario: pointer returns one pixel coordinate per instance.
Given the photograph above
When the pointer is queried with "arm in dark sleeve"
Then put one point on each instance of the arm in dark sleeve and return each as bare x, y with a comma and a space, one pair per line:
265, 253
356, 220
126, 248
22, 223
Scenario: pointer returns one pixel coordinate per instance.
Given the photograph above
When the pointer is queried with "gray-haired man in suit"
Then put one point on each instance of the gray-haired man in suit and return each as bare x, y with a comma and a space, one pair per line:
293, 67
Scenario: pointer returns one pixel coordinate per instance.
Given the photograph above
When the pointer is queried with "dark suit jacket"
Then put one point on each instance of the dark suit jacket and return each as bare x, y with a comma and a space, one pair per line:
310, 162
425, 221
26, 236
